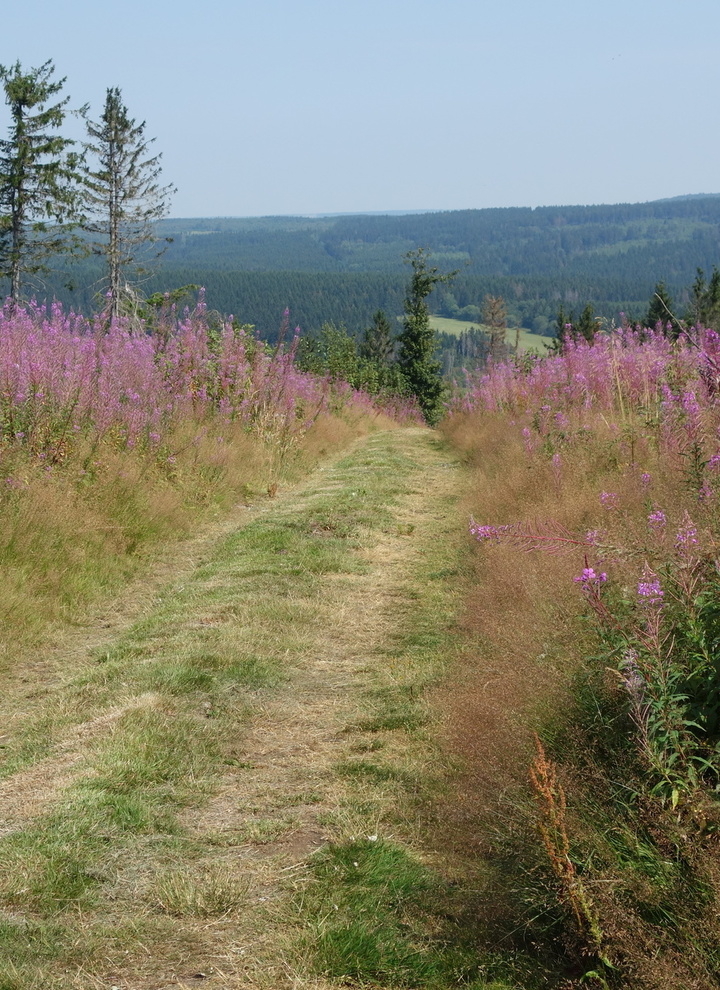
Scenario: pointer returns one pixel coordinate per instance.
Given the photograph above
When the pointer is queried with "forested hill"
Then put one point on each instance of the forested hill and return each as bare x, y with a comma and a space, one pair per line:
625, 239
343, 268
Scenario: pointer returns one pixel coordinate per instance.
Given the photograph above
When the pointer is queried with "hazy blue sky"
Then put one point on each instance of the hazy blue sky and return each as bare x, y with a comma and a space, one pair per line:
309, 106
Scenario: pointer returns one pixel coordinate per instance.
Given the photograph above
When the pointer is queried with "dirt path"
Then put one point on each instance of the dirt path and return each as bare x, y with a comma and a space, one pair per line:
314, 604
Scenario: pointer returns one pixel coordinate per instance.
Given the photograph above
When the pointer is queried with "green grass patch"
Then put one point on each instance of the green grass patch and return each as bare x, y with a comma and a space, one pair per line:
385, 919
376, 773
179, 690
528, 341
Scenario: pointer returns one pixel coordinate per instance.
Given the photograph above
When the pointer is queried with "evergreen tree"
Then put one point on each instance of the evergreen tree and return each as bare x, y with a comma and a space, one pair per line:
568, 329
660, 309
494, 314
39, 178
418, 340
123, 199
705, 300
563, 330
587, 324
377, 343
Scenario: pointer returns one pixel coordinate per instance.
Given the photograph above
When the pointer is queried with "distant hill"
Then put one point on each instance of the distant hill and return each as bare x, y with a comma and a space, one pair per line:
343, 267
675, 199
623, 240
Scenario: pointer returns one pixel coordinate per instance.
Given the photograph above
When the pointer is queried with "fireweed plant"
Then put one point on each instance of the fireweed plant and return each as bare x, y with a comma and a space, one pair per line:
663, 629
62, 376
663, 634
114, 435
620, 438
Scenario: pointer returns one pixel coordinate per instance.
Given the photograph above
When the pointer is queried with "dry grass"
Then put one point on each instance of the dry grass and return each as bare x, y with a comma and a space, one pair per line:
649, 876
515, 669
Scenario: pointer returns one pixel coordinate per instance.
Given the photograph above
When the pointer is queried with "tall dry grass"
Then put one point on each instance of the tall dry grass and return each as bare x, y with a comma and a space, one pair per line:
601, 461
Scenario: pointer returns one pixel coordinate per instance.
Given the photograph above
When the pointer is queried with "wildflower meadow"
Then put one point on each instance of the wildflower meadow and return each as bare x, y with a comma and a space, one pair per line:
115, 434
597, 526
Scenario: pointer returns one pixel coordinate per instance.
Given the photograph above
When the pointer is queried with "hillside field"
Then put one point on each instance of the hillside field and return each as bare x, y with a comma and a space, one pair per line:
527, 341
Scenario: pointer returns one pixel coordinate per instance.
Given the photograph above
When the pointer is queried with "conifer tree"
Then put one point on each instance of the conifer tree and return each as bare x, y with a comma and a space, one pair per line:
377, 343
123, 198
705, 300
494, 315
418, 341
660, 309
587, 324
39, 176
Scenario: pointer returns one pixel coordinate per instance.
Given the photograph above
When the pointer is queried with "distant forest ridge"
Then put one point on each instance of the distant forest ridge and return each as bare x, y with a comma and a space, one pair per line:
343, 268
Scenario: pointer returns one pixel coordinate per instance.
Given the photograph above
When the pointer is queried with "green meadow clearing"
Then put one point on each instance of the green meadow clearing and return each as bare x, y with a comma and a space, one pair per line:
527, 341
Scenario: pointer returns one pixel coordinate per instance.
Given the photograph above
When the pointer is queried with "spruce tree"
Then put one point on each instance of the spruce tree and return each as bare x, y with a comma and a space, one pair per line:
494, 315
39, 176
377, 343
704, 307
660, 309
587, 325
418, 341
123, 198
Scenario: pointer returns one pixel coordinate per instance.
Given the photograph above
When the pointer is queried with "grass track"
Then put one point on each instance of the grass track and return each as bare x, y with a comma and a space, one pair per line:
191, 796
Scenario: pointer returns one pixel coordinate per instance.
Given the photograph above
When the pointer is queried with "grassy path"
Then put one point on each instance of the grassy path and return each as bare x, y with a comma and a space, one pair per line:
230, 789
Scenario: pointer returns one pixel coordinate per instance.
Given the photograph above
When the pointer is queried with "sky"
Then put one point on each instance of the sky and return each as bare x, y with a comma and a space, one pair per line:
276, 107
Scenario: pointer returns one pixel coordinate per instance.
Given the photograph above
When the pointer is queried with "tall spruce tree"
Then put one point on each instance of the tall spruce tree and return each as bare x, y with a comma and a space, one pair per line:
660, 310
494, 315
39, 176
377, 342
123, 199
704, 306
418, 340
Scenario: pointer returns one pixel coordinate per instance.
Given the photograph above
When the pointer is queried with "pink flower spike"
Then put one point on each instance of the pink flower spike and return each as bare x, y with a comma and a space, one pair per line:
590, 580
649, 590
687, 536
487, 532
657, 521
609, 500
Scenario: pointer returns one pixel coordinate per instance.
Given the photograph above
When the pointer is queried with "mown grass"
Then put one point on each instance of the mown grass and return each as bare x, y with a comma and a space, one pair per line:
378, 914
161, 716
385, 904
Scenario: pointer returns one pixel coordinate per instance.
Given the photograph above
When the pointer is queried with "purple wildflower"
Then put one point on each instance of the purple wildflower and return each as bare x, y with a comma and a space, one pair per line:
649, 590
590, 580
609, 500
645, 479
487, 532
690, 404
687, 536
657, 521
